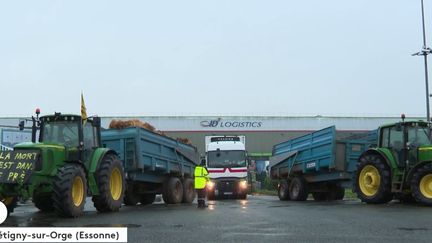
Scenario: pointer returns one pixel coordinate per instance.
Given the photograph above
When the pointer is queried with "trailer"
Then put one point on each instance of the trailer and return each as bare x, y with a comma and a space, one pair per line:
153, 164
317, 163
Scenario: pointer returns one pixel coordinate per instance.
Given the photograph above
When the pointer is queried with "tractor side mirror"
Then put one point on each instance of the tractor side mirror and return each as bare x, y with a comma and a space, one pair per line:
21, 125
96, 121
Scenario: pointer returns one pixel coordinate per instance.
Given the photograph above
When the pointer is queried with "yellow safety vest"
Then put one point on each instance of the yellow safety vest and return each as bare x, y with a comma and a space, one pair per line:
201, 177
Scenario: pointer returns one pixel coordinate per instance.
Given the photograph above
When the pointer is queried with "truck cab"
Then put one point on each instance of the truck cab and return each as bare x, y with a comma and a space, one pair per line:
227, 166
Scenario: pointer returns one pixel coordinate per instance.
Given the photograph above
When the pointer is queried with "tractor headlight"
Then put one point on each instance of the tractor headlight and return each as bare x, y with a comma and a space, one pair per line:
243, 184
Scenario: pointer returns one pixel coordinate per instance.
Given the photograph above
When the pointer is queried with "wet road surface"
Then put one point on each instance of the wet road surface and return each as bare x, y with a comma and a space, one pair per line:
258, 219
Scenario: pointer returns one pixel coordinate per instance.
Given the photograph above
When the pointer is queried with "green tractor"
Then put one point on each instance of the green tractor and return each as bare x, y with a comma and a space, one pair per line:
66, 165
399, 167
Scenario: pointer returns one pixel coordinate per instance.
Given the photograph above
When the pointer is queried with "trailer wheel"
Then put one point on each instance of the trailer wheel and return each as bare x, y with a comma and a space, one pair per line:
43, 201
188, 190
372, 180
421, 185
298, 189
173, 191
110, 179
147, 198
10, 203
70, 188
283, 191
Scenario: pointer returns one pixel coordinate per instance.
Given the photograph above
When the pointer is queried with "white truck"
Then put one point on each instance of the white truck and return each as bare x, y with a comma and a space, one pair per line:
227, 166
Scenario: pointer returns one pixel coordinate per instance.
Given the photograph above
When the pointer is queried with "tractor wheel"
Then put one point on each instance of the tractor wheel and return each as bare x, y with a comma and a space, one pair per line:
43, 201
110, 179
10, 203
320, 196
173, 191
372, 180
283, 192
131, 198
188, 190
147, 198
70, 189
421, 185
298, 189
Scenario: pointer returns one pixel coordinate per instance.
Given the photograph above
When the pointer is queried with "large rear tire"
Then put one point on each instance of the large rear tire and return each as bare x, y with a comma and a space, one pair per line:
70, 189
283, 191
188, 190
110, 179
372, 181
43, 201
298, 190
172, 191
421, 185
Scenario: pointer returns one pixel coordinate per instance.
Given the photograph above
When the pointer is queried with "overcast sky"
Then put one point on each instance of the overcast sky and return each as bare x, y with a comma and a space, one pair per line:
333, 57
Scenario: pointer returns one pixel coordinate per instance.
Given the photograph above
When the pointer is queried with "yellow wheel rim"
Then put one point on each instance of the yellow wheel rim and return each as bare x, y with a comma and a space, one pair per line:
116, 184
369, 180
77, 191
426, 186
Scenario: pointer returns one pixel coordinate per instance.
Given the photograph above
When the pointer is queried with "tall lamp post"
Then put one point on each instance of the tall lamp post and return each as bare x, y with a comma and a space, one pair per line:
425, 52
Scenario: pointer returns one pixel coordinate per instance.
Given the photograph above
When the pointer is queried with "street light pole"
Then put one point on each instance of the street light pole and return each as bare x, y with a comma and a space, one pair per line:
425, 52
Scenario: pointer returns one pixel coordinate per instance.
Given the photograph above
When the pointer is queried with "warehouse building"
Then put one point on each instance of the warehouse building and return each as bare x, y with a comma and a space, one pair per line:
261, 132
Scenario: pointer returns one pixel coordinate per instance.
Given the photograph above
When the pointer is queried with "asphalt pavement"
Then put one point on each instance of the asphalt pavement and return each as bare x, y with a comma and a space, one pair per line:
257, 219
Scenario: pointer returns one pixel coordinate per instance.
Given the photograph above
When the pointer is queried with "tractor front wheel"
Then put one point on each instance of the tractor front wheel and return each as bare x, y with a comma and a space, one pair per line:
372, 180
421, 185
70, 189
110, 179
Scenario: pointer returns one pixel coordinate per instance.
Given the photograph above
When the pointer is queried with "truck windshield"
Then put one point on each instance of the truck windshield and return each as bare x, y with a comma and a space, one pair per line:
226, 159
60, 132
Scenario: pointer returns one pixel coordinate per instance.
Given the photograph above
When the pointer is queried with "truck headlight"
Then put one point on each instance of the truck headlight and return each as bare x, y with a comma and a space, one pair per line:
210, 185
243, 184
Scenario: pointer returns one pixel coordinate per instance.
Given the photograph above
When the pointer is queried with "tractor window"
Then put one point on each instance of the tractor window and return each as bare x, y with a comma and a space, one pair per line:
418, 136
385, 137
396, 139
60, 132
89, 136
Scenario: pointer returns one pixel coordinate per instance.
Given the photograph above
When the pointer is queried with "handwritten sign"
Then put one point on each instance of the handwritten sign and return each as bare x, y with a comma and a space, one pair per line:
17, 166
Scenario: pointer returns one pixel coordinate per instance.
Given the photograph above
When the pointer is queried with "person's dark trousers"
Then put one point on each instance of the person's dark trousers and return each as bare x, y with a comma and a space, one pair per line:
201, 197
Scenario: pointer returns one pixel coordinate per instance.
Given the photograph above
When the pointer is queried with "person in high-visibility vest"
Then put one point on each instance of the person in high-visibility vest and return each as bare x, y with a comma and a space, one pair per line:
201, 178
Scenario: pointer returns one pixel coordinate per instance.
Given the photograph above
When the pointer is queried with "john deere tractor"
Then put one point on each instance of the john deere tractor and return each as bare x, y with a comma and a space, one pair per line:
399, 167
63, 167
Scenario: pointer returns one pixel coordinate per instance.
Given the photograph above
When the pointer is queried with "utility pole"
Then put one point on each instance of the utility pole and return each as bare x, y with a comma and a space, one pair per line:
425, 52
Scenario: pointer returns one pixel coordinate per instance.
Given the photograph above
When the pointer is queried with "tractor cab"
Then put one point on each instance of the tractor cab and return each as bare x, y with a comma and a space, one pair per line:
406, 141
79, 138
